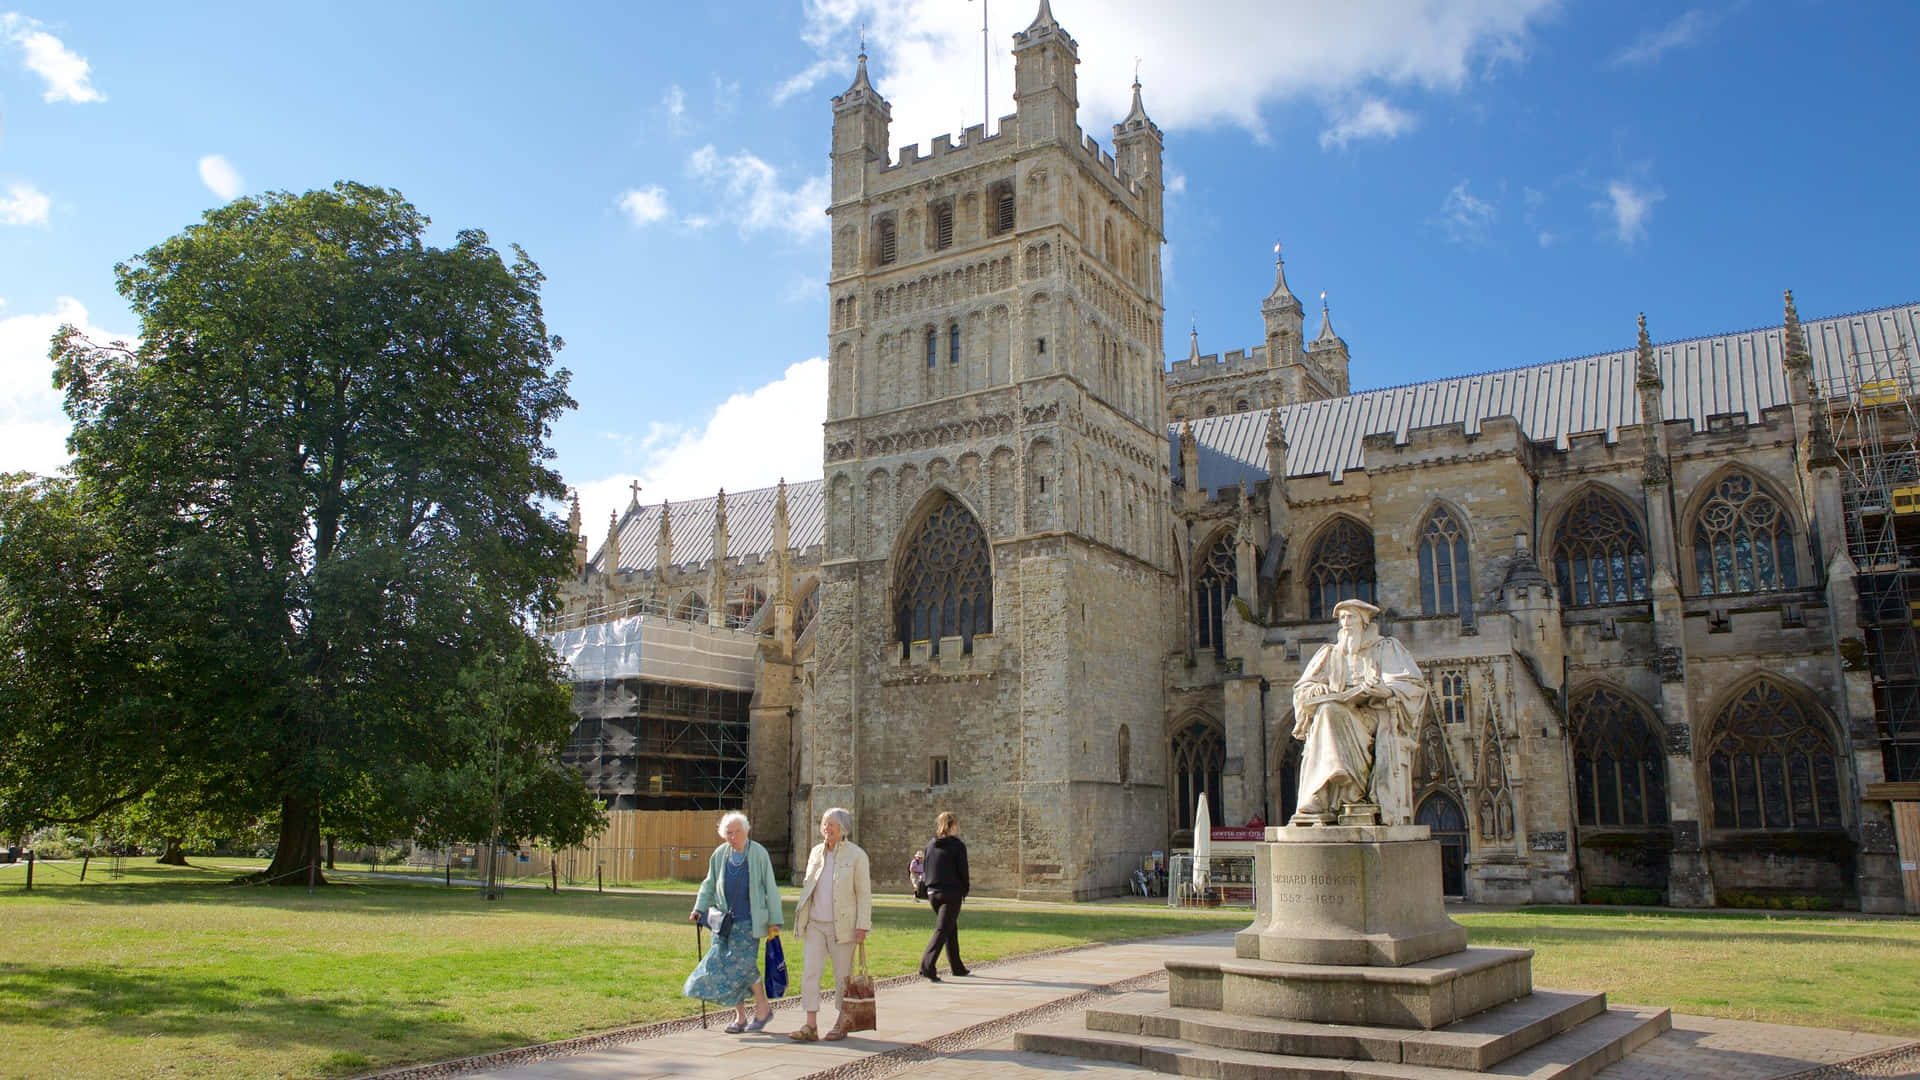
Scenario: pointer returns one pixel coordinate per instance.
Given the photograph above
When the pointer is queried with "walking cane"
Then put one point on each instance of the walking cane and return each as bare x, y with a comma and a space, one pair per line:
698, 951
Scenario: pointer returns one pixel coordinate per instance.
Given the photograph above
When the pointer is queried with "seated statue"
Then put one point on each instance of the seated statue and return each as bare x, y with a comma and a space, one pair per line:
1356, 707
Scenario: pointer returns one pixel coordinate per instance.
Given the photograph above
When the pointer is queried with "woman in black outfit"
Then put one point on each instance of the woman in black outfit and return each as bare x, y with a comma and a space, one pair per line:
947, 884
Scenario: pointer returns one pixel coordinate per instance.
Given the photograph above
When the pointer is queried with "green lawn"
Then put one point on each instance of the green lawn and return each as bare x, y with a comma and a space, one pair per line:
175, 972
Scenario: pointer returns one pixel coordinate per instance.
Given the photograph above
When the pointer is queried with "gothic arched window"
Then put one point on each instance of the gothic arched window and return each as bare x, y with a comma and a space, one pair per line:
944, 587
1213, 589
1199, 757
693, 608
1742, 540
1600, 556
809, 607
888, 243
1446, 586
1619, 766
1771, 764
1341, 568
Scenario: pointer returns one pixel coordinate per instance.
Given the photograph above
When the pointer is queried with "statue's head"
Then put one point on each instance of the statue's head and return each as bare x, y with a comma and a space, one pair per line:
1355, 616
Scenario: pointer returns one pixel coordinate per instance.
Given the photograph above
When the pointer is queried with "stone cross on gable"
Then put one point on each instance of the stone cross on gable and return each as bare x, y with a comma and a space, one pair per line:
635, 487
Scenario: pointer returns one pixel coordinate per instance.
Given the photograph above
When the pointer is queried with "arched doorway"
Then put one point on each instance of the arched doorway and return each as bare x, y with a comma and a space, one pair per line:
1448, 823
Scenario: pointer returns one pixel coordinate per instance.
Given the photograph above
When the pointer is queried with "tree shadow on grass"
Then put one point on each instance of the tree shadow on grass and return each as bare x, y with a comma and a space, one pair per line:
240, 1010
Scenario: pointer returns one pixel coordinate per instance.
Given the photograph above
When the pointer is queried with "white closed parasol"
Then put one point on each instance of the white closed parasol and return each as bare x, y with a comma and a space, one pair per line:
1202, 843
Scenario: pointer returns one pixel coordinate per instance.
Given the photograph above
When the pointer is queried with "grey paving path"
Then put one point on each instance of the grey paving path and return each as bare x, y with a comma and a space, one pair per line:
962, 1029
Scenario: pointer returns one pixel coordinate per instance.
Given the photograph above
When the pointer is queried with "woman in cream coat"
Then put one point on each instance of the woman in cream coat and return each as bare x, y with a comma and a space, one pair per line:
834, 914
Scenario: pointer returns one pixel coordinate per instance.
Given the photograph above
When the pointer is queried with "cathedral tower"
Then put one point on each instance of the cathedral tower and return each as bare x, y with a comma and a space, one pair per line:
996, 588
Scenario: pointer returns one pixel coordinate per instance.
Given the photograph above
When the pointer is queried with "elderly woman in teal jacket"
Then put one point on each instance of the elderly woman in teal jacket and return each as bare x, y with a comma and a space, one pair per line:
740, 882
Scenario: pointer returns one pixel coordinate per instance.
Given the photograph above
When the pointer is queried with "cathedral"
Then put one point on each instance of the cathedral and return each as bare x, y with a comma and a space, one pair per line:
1064, 590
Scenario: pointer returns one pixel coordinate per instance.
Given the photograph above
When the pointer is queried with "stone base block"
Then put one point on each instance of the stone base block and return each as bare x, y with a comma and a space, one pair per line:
1574, 1054
1351, 894
1426, 994
1475, 1044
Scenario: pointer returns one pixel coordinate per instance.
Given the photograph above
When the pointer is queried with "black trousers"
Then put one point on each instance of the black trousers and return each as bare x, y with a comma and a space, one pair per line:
946, 932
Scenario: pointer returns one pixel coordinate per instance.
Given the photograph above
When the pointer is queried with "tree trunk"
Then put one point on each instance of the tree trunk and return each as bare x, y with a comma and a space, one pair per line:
296, 861
175, 855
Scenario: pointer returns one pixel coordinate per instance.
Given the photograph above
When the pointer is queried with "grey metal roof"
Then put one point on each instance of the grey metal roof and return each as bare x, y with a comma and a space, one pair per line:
749, 526
1704, 377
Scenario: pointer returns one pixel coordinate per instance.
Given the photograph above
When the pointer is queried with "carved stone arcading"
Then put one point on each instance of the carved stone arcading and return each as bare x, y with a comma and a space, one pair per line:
937, 435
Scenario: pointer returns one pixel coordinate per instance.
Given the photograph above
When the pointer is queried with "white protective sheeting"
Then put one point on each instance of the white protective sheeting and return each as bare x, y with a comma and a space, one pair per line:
659, 649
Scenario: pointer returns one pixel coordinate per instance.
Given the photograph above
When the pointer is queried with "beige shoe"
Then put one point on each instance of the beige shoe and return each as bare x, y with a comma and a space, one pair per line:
836, 1034
806, 1033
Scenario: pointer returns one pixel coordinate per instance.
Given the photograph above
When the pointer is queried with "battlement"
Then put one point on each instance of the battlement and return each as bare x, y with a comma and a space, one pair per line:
1213, 365
975, 146
1105, 163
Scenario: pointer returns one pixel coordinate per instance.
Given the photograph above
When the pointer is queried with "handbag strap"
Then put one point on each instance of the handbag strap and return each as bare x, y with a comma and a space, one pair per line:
860, 958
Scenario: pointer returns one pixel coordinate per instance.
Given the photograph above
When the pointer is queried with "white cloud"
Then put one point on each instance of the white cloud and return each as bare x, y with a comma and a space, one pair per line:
1627, 208
221, 177
64, 71
1225, 66
680, 464
1176, 182
1371, 119
644, 206
1466, 219
675, 104
1535, 200
30, 410
752, 199
1652, 44
24, 205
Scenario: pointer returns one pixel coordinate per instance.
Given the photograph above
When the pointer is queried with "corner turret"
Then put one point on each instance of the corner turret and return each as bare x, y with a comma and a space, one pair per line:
1329, 351
1282, 314
1137, 149
861, 118
1046, 89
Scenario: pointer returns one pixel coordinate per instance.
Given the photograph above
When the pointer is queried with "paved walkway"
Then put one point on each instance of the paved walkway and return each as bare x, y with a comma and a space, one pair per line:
962, 1029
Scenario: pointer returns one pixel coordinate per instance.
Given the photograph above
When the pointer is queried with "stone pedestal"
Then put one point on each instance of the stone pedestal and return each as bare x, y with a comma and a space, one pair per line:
1353, 970
1351, 895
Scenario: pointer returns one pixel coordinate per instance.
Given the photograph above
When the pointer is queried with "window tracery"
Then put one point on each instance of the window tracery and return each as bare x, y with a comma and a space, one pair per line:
1619, 765
1341, 568
944, 586
1214, 588
1446, 586
1771, 765
1743, 540
692, 607
1199, 757
1600, 556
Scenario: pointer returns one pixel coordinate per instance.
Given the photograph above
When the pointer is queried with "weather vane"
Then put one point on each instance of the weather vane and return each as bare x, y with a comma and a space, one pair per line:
1136, 71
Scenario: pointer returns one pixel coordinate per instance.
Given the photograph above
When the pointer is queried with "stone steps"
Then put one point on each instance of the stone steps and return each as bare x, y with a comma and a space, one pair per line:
1574, 1051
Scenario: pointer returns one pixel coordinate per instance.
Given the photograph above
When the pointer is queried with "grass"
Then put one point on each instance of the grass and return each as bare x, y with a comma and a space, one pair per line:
174, 972
1822, 971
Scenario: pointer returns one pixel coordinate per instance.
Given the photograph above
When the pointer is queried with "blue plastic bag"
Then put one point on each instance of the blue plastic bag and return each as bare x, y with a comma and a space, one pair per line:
776, 967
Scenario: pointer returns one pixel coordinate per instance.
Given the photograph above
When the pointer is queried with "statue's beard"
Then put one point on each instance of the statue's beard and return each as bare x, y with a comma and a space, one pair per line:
1355, 642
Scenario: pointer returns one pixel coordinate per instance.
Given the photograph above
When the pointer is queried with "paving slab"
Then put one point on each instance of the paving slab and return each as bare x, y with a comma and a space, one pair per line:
963, 1029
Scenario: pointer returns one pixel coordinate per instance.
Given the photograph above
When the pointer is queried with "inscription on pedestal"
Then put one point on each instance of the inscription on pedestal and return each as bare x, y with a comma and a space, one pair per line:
1323, 889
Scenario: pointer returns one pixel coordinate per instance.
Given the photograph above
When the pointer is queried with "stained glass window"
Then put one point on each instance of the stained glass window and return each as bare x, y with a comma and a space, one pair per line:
945, 583
1341, 568
1771, 765
1199, 757
1742, 540
1619, 766
1213, 590
1600, 556
1446, 587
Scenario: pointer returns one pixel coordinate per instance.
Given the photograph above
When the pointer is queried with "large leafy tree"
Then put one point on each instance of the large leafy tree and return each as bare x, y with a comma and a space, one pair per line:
307, 532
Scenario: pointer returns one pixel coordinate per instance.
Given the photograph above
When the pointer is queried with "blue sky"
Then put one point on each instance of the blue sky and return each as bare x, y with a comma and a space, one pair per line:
1474, 184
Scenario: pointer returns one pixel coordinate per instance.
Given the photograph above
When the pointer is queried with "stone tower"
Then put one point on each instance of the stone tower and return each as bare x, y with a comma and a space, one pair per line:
997, 594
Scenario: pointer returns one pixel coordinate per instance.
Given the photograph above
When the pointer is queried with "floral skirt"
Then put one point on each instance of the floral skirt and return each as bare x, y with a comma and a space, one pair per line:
725, 976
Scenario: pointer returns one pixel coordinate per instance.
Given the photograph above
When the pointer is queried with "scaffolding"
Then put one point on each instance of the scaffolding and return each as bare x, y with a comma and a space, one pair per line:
1877, 435
664, 708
